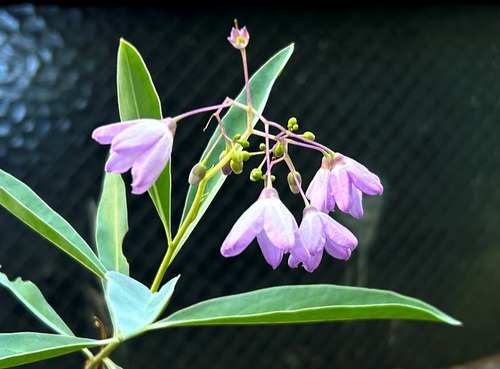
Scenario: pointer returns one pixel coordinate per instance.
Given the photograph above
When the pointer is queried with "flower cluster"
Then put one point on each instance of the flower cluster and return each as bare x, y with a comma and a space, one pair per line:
145, 147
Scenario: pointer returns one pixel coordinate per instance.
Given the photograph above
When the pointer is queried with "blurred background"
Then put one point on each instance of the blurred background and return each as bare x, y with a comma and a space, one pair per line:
411, 92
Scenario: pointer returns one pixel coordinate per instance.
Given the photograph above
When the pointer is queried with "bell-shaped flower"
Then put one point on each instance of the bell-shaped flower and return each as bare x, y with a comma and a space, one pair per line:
274, 226
239, 37
143, 145
342, 181
321, 232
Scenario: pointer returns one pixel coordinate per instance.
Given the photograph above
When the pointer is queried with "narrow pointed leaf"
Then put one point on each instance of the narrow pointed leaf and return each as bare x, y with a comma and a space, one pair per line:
28, 347
25, 204
29, 294
132, 305
235, 121
112, 224
304, 304
137, 98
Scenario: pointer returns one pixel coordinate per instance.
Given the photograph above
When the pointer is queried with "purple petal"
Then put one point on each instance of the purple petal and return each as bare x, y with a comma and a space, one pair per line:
356, 209
148, 166
313, 239
317, 191
362, 178
279, 224
105, 134
246, 228
119, 163
299, 250
139, 137
313, 261
339, 240
272, 254
341, 187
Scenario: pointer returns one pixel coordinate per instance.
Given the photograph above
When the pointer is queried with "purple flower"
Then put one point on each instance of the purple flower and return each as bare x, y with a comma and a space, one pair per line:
239, 37
321, 232
273, 225
342, 181
145, 145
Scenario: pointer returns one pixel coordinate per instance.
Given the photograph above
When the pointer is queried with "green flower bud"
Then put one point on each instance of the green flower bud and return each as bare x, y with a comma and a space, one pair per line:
244, 143
236, 166
256, 174
309, 135
245, 155
236, 137
279, 151
262, 146
294, 186
197, 174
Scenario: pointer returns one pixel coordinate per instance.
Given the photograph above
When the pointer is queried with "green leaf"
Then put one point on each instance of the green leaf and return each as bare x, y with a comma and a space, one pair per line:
25, 204
132, 305
137, 98
29, 294
112, 224
304, 304
28, 347
235, 121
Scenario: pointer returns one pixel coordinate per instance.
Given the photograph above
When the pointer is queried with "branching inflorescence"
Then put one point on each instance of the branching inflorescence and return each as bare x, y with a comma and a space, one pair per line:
145, 147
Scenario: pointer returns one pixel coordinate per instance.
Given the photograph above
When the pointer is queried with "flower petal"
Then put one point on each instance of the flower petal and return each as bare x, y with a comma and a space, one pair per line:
118, 163
105, 134
139, 137
272, 254
362, 178
313, 239
149, 165
341, 187
279, 224
356, 209
317, 191
313, 261
246, 228
339, 240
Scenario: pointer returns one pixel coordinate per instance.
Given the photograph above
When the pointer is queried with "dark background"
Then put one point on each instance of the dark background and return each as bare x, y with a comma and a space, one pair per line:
412, 92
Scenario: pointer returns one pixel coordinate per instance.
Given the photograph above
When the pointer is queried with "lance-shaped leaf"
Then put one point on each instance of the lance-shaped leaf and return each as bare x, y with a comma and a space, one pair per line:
28, 347
137, 98
304, 304
29, 294
112, 224
132, 305
235, 121
26, 205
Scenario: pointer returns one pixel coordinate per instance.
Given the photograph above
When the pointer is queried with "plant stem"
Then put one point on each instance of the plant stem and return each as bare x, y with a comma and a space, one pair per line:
104, 353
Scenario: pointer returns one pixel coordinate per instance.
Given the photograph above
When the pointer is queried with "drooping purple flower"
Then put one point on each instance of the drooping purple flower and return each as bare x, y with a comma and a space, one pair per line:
239, 37
274, 226
321, 232
143, 145
342, 181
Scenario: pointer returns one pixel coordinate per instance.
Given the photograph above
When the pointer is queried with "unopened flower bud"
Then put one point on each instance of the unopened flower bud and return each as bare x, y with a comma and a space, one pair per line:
245, 155
226, 169
236, 166
278, 150
244, 143
262, 146
197, 174
292, 124
294, 184
309, 135
256, 174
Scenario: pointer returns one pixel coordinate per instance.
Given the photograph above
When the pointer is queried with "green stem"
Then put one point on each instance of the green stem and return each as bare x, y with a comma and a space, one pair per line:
191, 216
104, 353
